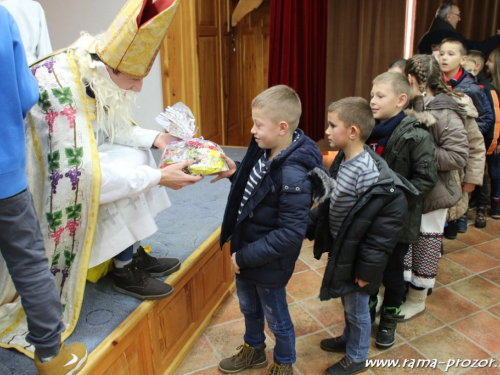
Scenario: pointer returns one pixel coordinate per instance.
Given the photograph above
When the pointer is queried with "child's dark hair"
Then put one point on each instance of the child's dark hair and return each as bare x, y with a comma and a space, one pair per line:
425, 69
398, 63
355, 111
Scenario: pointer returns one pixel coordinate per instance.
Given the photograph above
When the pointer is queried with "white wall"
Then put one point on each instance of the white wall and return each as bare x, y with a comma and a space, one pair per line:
67, 18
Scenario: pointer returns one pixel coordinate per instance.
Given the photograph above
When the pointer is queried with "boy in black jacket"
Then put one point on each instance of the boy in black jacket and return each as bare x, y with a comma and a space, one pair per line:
266, 220
358, 227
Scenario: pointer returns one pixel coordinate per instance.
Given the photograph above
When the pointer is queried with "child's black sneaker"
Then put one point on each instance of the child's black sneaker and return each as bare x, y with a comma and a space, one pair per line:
346, 367
247, 357
335, 344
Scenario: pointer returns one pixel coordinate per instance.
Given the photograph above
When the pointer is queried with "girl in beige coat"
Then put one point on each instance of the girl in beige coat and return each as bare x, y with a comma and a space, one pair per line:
435, 106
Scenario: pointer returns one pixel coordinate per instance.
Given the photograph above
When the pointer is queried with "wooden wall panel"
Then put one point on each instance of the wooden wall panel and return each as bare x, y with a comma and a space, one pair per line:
179, 60
210, 121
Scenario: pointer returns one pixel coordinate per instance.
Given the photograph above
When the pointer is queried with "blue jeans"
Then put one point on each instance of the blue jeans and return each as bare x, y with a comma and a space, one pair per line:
257, 302
357, 326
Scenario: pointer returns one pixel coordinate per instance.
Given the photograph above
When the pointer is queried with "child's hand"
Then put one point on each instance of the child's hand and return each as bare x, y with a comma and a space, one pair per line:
226, 174
360, 282
235, 265
467, 187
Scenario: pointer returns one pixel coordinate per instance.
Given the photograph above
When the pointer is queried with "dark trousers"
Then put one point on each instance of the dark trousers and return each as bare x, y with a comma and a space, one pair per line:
23, 250
393, 279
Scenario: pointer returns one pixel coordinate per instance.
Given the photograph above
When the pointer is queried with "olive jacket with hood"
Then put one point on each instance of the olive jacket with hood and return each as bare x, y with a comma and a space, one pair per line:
267, 236
410, 152
367, 235
446, 123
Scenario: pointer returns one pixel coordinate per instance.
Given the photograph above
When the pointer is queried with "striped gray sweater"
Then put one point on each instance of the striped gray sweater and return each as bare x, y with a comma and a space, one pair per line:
354, 177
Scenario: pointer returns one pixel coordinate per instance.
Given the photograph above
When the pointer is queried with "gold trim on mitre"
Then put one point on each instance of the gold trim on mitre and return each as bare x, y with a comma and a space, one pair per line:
133, 40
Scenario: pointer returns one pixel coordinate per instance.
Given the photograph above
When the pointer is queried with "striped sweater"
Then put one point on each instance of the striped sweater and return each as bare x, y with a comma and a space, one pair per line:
355, 176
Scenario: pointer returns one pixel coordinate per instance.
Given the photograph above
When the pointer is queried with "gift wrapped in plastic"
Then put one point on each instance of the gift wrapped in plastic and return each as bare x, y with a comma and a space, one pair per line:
179, 121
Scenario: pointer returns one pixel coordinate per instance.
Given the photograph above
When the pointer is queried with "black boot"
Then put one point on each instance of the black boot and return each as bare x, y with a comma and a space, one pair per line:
387, 328
156, 267
135, 282
450, 230
481, 216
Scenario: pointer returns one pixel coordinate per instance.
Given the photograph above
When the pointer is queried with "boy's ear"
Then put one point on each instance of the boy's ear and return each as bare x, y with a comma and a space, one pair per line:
402, 100
354, 132
283, 127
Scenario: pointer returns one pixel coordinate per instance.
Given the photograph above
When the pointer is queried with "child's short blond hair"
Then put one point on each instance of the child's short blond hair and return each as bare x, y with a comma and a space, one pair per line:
462, 48
476, 56
355, 111
398, 82
282, 104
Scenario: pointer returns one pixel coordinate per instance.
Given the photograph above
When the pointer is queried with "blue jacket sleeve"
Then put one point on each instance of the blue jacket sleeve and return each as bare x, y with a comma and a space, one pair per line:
485, 119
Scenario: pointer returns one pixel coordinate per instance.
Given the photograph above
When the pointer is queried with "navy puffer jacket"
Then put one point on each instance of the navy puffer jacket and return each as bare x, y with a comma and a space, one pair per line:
268, 236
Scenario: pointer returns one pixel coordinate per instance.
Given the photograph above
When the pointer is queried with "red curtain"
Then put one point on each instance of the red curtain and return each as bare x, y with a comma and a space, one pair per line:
297, 57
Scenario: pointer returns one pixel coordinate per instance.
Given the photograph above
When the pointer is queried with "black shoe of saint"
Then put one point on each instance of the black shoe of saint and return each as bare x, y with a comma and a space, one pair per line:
450, 231
156, 267
135, 282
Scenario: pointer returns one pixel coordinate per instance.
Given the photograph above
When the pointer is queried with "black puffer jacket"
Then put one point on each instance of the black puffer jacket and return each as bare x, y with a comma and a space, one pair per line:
268, 237
367, 236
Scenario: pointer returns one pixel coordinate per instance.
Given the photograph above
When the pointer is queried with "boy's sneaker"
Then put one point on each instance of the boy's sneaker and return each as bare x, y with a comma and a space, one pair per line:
450, 230
495, 208
135, 282
481, 216
247, 357
156, 267
462, 224
335, 344
346, 367
69, 361
280, 369
387, 327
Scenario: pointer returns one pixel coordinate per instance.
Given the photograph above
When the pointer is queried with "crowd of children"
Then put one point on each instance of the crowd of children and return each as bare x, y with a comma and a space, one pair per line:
408, 162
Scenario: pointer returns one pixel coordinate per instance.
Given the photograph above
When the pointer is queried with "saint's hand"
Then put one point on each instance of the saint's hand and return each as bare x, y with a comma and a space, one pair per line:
174, 177
226, 174
162, 139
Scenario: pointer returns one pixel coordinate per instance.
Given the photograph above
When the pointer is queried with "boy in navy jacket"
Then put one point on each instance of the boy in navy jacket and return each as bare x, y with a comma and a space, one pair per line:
266, 220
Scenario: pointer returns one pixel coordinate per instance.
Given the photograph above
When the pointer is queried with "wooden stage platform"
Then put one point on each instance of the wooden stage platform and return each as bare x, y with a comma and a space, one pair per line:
156, 337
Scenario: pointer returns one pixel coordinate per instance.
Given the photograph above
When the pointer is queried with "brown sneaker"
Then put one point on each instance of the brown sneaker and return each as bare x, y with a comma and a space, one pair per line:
247, 357
69, 361
280, 369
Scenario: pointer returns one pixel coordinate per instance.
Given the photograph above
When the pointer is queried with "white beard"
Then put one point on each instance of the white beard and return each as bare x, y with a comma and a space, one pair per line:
113, 104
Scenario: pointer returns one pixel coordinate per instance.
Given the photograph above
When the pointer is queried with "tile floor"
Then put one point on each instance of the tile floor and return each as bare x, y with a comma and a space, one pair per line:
462, 319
